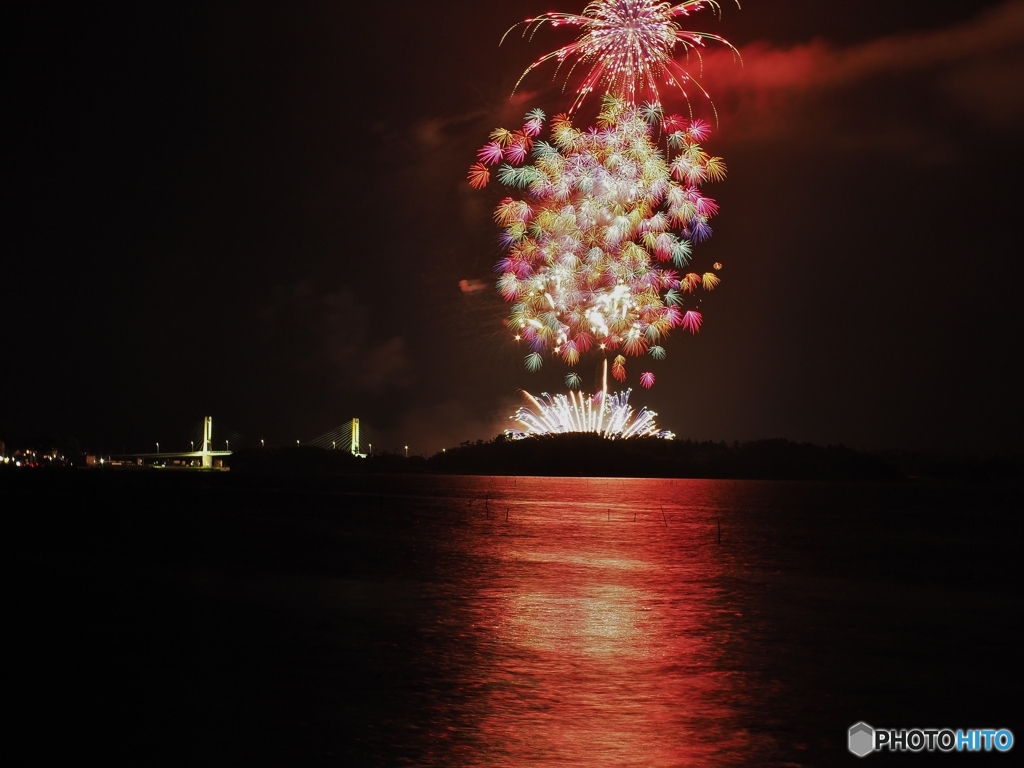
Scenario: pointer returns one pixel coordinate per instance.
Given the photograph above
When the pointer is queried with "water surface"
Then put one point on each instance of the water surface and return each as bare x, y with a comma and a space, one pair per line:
626, 622
470, 621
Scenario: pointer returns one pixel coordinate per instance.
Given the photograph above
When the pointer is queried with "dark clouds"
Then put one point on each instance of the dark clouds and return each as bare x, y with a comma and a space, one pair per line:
974, 71
332, 335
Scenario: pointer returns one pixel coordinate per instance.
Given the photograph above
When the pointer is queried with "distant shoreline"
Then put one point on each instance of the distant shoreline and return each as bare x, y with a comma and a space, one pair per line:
572, 455
586, 455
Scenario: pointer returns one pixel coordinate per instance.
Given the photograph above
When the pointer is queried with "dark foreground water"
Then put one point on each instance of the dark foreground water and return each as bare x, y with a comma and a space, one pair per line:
477, 621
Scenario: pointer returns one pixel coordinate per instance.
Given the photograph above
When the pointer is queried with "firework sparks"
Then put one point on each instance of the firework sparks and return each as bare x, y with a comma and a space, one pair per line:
626, 48
603, 221
611, 417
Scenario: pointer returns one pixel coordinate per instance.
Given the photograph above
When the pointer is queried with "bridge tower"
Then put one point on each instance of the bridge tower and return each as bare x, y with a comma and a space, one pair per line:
207, 442
355, 437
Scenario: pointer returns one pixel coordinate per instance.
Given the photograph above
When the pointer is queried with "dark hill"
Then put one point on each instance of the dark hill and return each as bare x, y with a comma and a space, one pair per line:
591, 455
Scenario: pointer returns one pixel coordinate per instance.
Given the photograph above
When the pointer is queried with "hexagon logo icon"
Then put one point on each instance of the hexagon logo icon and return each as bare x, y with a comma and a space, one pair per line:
862, 739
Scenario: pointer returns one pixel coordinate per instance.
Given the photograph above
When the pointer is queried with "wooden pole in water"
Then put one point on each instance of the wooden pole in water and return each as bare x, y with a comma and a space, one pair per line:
634, 515
664, 517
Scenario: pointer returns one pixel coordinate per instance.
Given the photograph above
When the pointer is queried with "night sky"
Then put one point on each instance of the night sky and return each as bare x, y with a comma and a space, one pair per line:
258, 211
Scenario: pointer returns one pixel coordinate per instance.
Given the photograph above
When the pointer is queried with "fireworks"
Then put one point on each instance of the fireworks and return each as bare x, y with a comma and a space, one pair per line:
611, 417
598, 230
626, 47
601, 230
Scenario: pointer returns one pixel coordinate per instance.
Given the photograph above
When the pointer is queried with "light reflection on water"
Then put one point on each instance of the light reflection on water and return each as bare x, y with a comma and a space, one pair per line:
598, 629
603, 622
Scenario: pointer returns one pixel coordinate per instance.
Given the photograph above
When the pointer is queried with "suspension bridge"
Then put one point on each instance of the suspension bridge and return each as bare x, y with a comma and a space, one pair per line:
348, 436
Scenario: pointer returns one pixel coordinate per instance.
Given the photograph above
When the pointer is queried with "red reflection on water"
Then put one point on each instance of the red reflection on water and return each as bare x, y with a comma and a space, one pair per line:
600, 633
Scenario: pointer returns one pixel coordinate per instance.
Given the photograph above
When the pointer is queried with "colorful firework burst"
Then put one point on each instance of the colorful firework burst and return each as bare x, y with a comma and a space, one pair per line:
626, 48
602, 229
